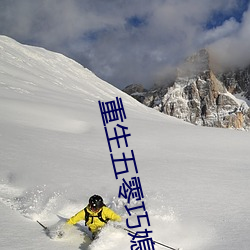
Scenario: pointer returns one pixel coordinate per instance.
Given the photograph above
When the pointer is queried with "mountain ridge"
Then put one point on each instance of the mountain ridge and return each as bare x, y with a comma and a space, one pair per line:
201, 95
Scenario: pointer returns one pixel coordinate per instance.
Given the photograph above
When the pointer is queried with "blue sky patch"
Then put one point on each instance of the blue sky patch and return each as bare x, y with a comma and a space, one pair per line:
219, 17
136, 21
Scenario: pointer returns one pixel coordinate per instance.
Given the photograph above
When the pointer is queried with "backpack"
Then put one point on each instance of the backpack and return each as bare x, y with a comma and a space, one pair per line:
99, 216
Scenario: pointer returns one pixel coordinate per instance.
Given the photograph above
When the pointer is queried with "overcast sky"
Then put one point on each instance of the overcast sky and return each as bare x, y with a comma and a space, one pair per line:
131, 41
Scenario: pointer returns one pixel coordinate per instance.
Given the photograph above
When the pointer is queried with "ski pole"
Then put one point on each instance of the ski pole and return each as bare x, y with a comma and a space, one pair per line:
156, 242
45, 228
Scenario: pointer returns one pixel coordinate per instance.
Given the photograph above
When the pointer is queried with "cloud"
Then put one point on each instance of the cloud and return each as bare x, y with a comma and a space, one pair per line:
233, 49
228, 28
125, 42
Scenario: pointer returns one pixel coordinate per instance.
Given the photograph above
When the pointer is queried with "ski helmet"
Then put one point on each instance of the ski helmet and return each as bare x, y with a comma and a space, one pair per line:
95, 202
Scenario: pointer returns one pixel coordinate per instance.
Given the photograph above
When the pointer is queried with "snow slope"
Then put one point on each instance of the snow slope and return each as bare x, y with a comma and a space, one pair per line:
54, 155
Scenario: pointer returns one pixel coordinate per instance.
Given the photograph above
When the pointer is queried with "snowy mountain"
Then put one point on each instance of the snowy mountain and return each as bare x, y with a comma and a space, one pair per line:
201, 95
55, 155
237, 81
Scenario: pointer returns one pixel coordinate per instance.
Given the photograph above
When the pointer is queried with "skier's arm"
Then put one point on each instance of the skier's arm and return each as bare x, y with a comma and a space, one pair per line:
77, 217
110, 214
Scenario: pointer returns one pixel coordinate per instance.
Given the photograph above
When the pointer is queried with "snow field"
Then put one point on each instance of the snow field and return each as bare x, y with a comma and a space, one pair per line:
54, 155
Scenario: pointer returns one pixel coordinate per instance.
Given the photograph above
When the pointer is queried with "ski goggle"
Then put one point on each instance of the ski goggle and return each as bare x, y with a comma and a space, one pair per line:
94, 208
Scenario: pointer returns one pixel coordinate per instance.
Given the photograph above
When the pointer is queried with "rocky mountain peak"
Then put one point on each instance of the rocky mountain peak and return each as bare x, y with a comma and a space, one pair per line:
200, 96
196, 64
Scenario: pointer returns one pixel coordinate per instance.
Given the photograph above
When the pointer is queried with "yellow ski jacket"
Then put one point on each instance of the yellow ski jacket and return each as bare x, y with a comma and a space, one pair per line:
94, 223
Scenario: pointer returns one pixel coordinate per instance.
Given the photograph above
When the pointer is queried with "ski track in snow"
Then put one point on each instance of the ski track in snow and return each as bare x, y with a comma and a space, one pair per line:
40, 204
31, 204
37, 205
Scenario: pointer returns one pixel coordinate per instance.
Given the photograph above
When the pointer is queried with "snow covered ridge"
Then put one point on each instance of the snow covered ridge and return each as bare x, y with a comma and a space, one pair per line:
34, 73
35, 69
200, 96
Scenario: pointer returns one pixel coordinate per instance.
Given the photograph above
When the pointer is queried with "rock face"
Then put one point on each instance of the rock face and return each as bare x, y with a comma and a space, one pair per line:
201, 97
137, 91
237, 81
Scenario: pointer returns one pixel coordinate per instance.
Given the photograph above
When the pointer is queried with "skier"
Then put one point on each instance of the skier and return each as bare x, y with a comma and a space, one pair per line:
95, 214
